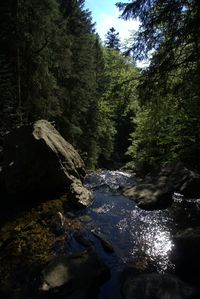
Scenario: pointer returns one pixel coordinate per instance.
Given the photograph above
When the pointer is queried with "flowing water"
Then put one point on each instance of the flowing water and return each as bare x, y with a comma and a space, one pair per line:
140, 238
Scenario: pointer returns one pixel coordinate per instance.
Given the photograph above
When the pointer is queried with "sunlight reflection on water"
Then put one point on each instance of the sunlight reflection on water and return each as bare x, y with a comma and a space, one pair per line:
134, 233
148, 235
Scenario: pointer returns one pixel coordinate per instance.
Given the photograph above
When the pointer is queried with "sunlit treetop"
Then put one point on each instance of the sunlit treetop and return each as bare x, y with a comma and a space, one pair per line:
169, 28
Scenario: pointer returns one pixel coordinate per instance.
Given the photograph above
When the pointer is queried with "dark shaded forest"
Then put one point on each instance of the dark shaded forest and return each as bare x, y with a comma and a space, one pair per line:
70, 226
53, 66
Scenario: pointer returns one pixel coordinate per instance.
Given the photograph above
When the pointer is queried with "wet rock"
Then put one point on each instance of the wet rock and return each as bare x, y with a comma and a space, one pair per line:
157, 188
27, 243
190, 184
149, 196
156, 286
85, 219
74, 276
105, 244
110, 180
186, 253
38, 159
184, 180
82, 240
79, 195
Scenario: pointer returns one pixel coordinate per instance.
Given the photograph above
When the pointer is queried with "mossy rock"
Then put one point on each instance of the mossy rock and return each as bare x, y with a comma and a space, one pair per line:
26, 245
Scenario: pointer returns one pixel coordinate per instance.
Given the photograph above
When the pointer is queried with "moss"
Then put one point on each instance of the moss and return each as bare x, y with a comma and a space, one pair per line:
26, 245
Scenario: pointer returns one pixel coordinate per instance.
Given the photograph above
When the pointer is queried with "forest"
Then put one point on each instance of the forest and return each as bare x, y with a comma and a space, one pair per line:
99, 158
54, 66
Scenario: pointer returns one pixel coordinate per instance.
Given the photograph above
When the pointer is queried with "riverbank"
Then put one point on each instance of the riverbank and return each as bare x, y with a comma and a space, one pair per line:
140, 240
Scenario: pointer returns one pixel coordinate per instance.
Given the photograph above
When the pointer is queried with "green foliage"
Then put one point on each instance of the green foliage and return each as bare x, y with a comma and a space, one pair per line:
50, 63
167, 125
112, 39
117, 106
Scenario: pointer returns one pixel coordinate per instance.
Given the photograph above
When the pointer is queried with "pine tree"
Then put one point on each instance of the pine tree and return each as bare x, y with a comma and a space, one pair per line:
112, 39
168, 126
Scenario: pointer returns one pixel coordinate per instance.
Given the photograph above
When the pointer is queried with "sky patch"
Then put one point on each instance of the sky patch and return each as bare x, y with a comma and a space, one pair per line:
106, 15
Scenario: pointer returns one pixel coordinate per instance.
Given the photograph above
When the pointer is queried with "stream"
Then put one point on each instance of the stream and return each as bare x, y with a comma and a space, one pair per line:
112, 228
139, 238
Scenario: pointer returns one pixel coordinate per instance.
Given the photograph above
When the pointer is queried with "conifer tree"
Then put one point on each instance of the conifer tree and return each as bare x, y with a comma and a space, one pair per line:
168, 126
112, 39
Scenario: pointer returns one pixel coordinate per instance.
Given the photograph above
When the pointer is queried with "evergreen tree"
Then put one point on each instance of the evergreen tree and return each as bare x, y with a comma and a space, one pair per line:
80, 109
168, 126
49, 68
117, 106
112, 39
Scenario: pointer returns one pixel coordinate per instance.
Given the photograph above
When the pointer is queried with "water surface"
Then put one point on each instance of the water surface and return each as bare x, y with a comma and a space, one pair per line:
140, 238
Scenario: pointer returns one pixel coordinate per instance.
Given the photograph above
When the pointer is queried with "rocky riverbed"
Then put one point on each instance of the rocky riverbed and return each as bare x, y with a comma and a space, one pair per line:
131, 246
111, 236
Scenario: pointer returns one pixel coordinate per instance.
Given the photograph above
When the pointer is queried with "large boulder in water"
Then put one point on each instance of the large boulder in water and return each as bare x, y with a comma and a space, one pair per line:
184, 180
150, 196
157, 286
186, 252
38, 159
75, 276
157, 188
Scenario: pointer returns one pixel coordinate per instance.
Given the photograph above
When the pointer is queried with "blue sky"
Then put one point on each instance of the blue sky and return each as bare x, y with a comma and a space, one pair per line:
106, 15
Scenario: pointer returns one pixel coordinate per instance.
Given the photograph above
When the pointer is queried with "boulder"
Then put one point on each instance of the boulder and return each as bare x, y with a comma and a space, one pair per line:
156, 286
150, 196
79, 195
157, 188
184, 180
186, 252
74, 276
38, 159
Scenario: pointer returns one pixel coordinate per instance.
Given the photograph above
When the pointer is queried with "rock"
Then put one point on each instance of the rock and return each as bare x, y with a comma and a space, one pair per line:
27, 243
74, 276
184, 180
190, 185
186, 252
156, 286
82, 240
105, 244
80, 196
38, 159
149, 196
85, 219
157, 188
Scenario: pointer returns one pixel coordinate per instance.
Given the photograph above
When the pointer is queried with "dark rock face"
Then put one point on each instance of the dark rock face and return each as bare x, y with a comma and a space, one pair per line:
156, 286
185, 180
149, 196
75, 276
157, 188
186, 252
38, 159
27, 243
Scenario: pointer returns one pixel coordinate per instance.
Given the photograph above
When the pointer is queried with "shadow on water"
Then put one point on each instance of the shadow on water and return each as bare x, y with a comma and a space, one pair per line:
142, 239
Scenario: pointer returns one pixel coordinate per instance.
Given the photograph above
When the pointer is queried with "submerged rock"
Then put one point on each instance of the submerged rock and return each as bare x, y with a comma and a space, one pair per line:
156, 286
74, 276
104, 243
